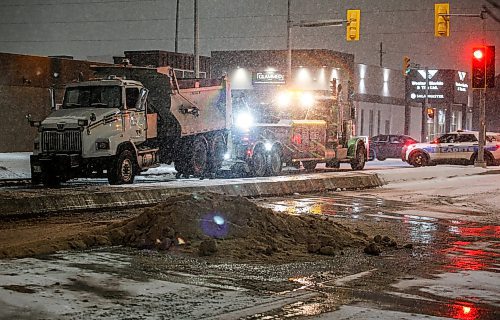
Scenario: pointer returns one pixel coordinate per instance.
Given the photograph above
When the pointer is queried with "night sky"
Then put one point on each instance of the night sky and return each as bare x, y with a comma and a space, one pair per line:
100, 29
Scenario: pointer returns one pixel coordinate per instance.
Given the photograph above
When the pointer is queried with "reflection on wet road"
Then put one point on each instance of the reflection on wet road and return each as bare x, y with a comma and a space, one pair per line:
462, 282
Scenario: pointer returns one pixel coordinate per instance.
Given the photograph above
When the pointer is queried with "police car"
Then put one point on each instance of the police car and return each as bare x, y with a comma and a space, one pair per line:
459, 147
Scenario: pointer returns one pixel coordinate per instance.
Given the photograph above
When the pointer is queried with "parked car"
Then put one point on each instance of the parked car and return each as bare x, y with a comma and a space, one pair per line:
386, 146
459, 147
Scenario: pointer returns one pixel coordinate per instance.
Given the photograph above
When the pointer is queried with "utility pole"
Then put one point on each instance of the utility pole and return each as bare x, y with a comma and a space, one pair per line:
425, 105
288, 45
482, 129
177, 27
196, 42
381, 53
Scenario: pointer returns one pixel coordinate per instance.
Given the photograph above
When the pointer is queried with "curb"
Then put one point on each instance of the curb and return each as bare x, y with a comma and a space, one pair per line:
122, 197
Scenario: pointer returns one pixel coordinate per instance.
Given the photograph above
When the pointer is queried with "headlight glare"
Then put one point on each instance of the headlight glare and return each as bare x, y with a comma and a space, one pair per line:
268, 146
244, 120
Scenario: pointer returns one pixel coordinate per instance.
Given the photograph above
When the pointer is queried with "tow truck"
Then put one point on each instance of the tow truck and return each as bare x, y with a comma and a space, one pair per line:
300, 128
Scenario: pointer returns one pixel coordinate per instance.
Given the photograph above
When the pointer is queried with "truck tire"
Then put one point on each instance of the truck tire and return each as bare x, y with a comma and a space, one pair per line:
258, 166
122, 169
358, 162
198, 157
309, 165
216, 155
275, 161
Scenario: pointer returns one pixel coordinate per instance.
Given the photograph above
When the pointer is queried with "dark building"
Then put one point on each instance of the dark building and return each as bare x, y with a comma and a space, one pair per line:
24, 89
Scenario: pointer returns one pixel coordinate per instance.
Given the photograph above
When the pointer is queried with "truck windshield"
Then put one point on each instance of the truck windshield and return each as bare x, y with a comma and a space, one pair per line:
92, 96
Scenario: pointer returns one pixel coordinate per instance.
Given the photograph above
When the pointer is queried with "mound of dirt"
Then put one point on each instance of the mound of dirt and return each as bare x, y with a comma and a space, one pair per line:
232, 227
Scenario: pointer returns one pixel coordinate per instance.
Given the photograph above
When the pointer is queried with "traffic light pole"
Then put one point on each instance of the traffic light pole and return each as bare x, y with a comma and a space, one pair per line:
482, 130
423, 132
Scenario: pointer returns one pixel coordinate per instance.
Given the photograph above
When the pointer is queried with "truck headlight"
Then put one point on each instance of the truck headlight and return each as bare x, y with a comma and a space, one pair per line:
307, 100
83, 123
268, 146
244, 120
102, 144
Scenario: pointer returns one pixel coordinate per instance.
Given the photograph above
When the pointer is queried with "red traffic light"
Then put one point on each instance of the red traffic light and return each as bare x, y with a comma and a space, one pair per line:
483, 67
478, 54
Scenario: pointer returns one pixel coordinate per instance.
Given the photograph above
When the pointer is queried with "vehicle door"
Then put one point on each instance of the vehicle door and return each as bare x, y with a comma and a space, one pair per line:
445, 147
467, 144
380, 145
134, 114
394, 146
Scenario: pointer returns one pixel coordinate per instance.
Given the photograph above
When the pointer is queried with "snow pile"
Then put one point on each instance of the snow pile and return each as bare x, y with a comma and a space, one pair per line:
231, 227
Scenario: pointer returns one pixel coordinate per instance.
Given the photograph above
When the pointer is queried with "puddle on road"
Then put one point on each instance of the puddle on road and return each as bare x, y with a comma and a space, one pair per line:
467, 245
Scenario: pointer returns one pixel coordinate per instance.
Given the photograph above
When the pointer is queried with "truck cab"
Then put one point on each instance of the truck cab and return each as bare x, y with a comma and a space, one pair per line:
97, 132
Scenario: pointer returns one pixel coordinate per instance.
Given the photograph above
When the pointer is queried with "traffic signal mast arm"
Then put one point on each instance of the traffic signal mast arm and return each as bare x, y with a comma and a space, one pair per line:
442, 18
318, 23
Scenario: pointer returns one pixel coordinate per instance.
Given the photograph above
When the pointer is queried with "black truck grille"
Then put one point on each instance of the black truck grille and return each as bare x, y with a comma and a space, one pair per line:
65, 141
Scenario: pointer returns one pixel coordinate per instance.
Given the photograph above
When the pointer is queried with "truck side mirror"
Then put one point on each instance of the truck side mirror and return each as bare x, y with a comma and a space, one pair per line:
52, 99
143, 96
32, 122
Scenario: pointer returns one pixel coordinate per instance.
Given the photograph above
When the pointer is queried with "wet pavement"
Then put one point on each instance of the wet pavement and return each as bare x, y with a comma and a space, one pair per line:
451, 271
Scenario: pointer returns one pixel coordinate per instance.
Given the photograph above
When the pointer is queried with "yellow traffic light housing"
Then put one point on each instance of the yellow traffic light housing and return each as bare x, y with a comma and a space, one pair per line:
441, 20
353, 25
430, 113
406, 65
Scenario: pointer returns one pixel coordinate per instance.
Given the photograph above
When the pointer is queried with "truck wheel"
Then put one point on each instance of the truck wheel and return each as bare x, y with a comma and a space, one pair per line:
275, 162
309, 165
199, 156
217, 151
50, 180
418, 159
36, 179
122, 169
358, 163
258, 167
180, 167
